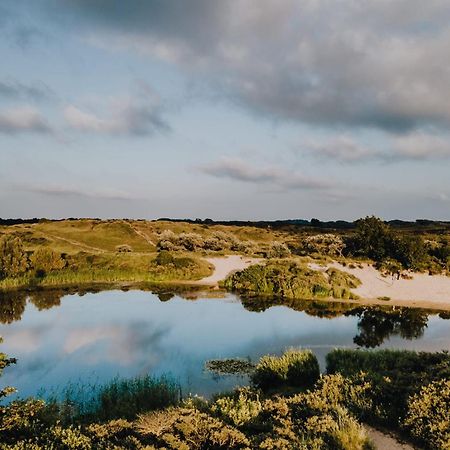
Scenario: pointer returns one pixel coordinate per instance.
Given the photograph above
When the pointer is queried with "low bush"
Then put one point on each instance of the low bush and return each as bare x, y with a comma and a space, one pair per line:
290, 279
410, 388
428, 415
297, 368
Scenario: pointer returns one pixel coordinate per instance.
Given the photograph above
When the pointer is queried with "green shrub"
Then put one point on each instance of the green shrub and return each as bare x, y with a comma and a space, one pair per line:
164, 258
189, 429
289, 279
428, 416
13, 259
394, 375
294, 368
46, 260
240, 408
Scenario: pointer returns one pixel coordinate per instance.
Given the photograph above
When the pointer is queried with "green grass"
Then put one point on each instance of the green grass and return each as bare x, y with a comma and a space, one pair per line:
120, 398
88, 268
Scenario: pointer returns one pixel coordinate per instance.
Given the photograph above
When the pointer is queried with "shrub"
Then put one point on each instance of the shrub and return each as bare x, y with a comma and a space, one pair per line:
238, 409
45, 260
164, 258
13, 259
395, 376
278, 250
294, 368
288, 279
428, 416
124, 248
324, 244
189, 429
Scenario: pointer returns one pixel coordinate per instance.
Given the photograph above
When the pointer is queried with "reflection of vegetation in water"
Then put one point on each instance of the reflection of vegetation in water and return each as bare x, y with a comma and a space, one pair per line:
12, 306
375, 325
231, 366
13, 303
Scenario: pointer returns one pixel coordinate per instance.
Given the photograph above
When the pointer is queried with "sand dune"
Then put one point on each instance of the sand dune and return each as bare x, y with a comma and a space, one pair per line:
225, 266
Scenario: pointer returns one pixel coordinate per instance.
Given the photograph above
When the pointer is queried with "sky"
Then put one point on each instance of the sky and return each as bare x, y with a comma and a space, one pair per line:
231, 109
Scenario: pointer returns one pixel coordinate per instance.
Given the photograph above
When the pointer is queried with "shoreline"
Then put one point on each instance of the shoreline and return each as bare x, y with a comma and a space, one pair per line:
371, 281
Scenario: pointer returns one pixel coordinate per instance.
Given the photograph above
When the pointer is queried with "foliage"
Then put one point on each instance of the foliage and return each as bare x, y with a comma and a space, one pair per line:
290, 279
294, 368
13, 259
376, 240
240, 408
45, 260
278, 250
428, 416
229, 366
324, 244
164, 258
120, 398
124, 248
216, 242
5, 362
395, 376
189, 429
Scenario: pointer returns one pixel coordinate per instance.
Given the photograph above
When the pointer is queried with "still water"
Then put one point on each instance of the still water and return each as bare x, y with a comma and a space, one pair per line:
94, 337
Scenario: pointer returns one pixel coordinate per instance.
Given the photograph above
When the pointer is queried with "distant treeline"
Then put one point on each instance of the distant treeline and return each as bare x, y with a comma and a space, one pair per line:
313, 223
431, 225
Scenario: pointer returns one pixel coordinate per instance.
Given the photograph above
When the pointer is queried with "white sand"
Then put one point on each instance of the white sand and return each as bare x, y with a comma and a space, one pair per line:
225, 266
422, 289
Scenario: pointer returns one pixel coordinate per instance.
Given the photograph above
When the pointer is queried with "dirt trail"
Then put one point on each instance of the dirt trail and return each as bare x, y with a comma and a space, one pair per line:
141, 234
225, 266
73, 242
384, 441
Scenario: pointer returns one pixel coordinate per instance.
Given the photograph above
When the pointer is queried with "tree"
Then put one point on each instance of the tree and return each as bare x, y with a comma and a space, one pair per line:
373, 239
44, 260
13, 259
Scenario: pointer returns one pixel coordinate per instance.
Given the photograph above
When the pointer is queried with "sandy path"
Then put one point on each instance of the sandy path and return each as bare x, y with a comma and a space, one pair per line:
422, 290
225, 266
384, 441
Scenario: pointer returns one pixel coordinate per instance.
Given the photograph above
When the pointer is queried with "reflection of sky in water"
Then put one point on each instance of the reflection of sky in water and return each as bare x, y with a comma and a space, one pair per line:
99, 336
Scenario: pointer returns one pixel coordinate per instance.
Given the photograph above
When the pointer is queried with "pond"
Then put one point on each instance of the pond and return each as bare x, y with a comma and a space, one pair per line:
62, 338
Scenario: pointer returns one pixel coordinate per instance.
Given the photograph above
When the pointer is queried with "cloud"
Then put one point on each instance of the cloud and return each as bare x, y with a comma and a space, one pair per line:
11, 89
67, 191
421, 146
342, 148
361, 64
24, 119
238, 170
416, 145
128, 117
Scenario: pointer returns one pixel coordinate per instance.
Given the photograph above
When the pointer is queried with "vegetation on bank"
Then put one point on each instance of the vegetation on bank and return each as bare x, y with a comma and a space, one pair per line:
403, 390
91, 250
288, 405
291, 279
45, 267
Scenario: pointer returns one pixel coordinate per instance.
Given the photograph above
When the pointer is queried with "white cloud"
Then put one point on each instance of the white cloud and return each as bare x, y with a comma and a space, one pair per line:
239, 170
420, 145
128, 116
23, 119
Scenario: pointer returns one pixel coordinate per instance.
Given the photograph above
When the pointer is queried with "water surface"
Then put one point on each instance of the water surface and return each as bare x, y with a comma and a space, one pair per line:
97, 336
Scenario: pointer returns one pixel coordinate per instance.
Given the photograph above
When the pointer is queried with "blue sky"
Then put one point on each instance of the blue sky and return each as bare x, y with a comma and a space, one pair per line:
238, 109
